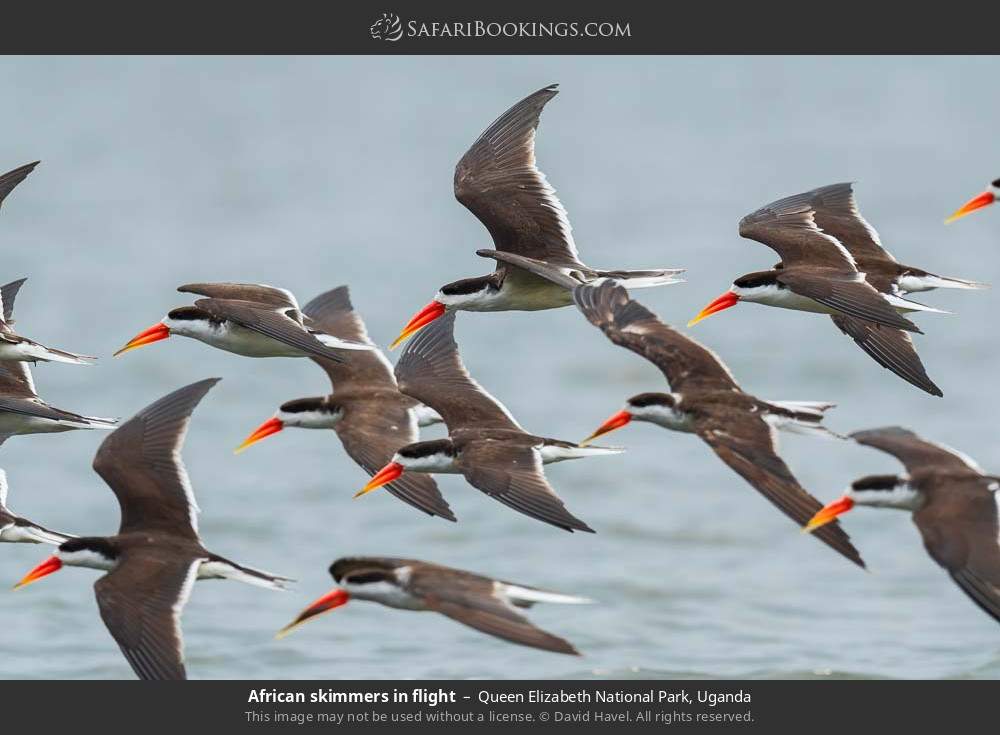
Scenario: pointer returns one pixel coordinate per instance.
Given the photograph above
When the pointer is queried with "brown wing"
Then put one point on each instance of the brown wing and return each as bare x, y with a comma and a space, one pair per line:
257, 293
847, 294
431, 370
12, 178
513, 475
915, 453
140, 602
891, 348
746, 443
371, 432
15, 380
498, 182
788, 227
627, 323
837, 214
8, 293
961, 533
274, 324
141, 462
470, 600
332, 313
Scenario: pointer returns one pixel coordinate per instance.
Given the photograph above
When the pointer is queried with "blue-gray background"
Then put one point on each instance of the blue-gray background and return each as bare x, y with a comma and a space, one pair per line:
310, 173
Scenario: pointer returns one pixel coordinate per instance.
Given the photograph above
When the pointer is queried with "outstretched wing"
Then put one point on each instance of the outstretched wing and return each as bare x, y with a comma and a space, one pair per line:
141, 601
914, 452
473, 600
514, 476
498, 182
15, 380
431, 370
12, 178
8, 293
258, 293
788, 227
332, 313
891, 348
627, 323
141, 462
371, 432
848, 294
837, 214
746, 443
964, 537
274, 324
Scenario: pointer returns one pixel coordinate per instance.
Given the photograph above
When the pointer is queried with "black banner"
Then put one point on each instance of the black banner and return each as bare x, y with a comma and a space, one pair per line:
417, 706
513, 27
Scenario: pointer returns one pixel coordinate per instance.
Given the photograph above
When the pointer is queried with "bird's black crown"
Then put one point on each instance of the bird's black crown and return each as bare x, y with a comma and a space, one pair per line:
652, 399
876, 482
756, 280
469, 286
427, 449
189, 313
303, 405
102, 546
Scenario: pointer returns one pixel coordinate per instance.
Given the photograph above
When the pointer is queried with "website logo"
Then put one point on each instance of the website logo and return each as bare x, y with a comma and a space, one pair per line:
387, 28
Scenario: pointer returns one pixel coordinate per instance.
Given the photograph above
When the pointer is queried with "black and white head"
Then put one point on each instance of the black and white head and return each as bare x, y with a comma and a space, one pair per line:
190, 321
662, 409
875, 491
89, 552
321, 412
760, 287
187, 321
886, 491
756, 286
469, 293
437, 455
375, 579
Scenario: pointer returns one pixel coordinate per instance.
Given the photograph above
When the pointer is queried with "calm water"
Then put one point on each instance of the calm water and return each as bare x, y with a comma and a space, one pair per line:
310, 173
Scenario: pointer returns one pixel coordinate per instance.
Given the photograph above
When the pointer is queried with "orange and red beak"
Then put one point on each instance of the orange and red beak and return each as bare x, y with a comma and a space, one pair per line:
422, 318
335, 598
615, 422
154, 334
829, 513
977, 202
47, 567
271, 426
723, 302
383, 477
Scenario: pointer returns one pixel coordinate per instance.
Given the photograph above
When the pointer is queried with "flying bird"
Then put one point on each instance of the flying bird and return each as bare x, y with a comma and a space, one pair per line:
954, 505
817, 273
537, 260
15, 347
488, 605
157, 554
18, 530
979, 201
252, 320
12, 178
485, 444
371, 417
836, 213
21, 410
706, 400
